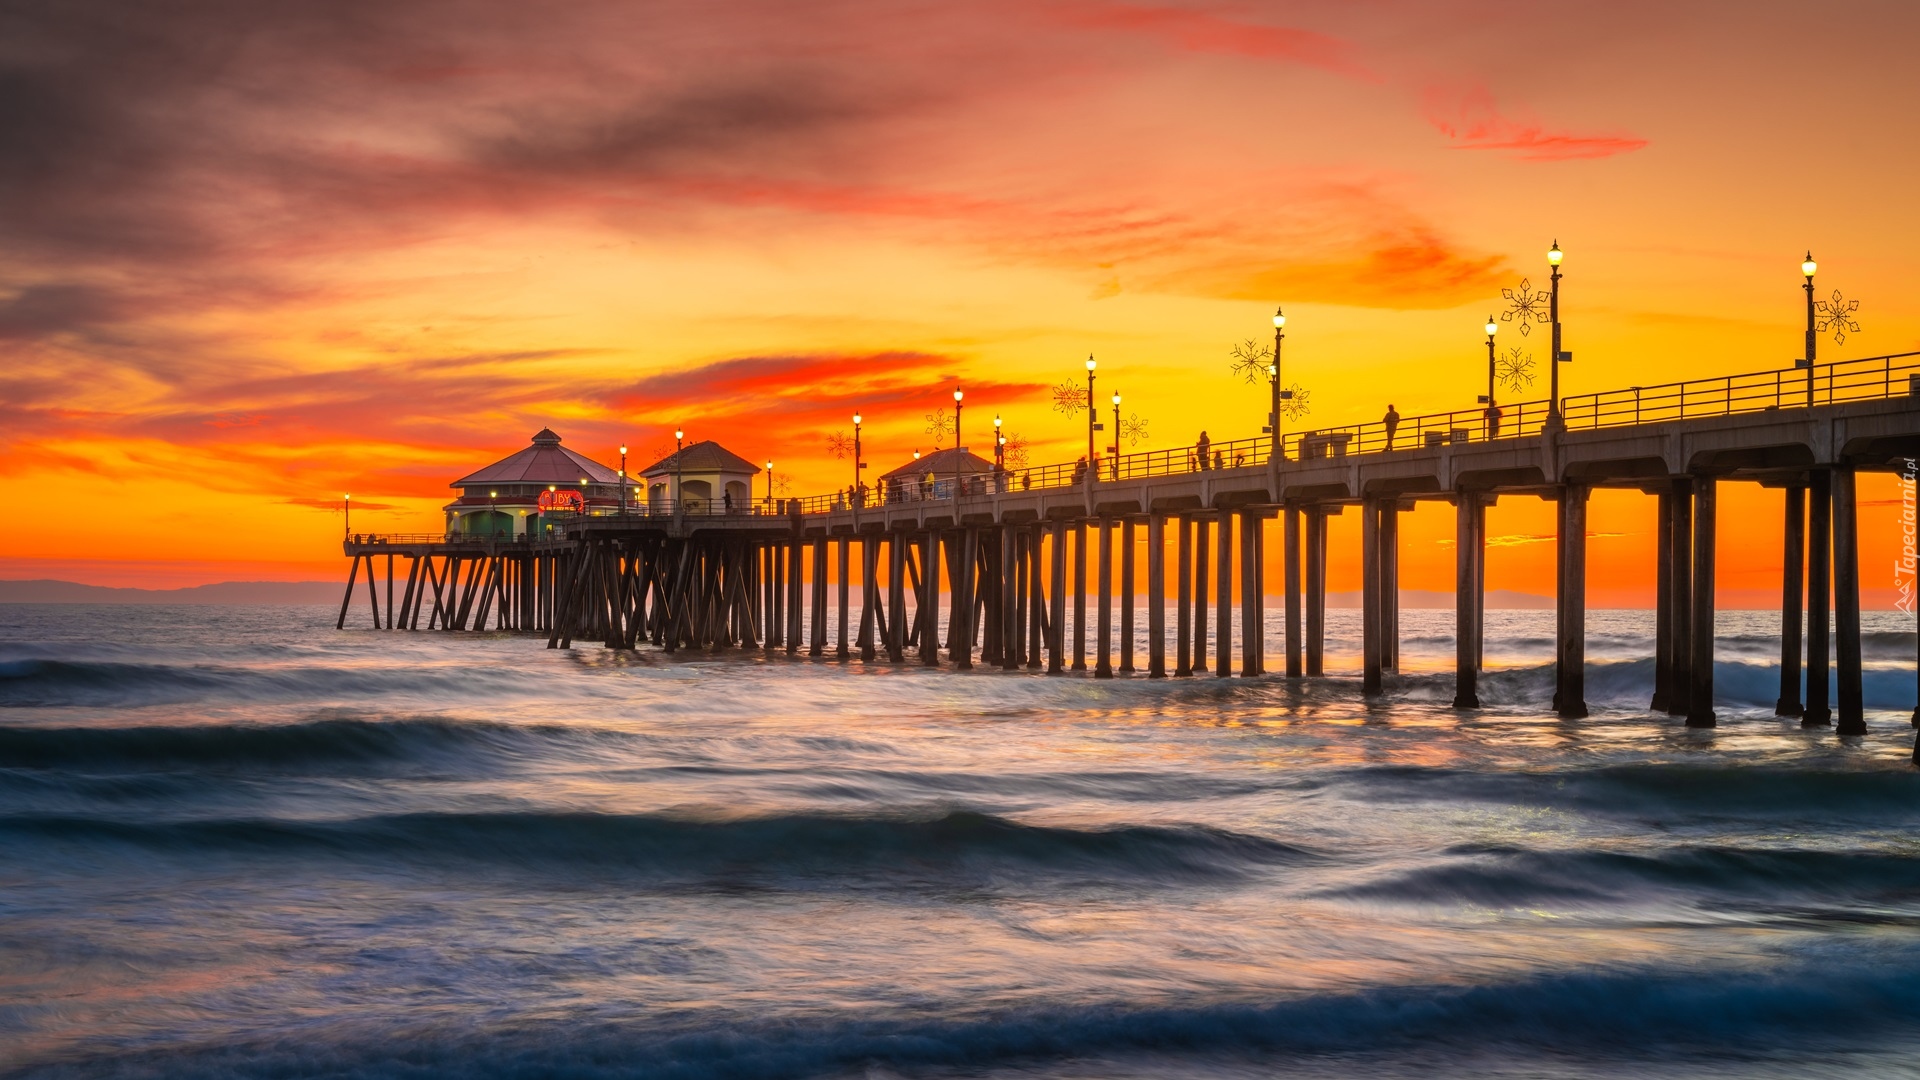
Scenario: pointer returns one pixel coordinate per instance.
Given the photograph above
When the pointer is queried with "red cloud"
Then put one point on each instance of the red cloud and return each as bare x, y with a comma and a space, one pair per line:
1472, 119
1200, 31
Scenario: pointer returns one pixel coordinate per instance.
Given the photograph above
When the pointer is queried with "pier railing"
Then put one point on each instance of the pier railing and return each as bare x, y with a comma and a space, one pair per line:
1866, 379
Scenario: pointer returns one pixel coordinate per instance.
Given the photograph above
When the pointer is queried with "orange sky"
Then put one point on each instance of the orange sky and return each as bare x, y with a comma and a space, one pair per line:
260, 254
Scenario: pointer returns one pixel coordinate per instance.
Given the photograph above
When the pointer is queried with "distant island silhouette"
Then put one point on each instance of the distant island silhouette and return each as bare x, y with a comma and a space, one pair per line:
49, 591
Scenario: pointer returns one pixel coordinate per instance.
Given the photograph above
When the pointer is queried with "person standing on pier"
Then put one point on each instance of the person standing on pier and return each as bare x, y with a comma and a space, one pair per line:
1201, 447
1392, 420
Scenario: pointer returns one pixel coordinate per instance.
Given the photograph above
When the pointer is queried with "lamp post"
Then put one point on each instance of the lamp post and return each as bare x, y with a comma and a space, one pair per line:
1276, 452
959, 457
623, 479
1493, 428
346, 507
999, 444
1093, 425
1116, 435
857, 463
769, 483
1807, 267
492, 509
678, 435
1555, 421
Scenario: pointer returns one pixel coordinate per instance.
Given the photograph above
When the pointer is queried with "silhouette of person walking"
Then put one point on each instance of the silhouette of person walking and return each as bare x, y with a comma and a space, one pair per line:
726, 501
1200, 448
1392, 420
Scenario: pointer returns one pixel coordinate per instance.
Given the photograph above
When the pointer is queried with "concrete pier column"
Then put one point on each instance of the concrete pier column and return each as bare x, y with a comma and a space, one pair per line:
1057, 610
1663, 603
1079, 596
896, 597
1793, 554
795, 572
1370, 583
1316, 591
960, 613
1126, 596
930, 599
1390, 585
1480, 579
1183, 598
1103, 663
1202, 591
1156, 596
869, 593
1851, 718
843, 585
1466, 600
1223, 613
1290, 577
1680, 560
1018, 539
1036, 597
1819, 569
817, 633
1700, 682
1253, 645
1009, 600
1570, 667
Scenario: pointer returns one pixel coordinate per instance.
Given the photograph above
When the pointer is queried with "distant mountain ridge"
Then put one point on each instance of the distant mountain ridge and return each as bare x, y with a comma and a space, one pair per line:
48, 591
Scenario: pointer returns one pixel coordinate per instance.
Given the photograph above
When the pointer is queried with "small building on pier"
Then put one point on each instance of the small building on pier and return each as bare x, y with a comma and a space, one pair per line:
526, 493
700, 478
933, 476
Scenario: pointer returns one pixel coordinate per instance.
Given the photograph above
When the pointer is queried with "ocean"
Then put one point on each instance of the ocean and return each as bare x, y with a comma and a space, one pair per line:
235, 842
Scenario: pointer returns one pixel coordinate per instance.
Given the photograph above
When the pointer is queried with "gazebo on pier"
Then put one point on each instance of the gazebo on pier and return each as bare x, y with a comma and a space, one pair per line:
932, 476
700, 478
523, 494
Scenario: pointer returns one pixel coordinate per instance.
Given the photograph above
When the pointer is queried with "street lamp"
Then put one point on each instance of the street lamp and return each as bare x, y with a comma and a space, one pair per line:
1493, 407
959, 457
492, 509
346, 507
1093, 425
857, 463
999, 444
1554, 419
769, 483
623, 479
678, 435
1808, 267
1116, 435
1276, 452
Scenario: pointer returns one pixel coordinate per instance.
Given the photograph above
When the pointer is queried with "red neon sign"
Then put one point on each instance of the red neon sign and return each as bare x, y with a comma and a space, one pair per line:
563, 499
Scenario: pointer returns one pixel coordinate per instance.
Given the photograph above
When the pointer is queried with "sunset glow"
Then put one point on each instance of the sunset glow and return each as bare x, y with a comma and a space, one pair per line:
261, 255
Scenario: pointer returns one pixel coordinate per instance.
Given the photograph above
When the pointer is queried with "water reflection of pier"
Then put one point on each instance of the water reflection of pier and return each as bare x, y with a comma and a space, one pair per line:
994, 564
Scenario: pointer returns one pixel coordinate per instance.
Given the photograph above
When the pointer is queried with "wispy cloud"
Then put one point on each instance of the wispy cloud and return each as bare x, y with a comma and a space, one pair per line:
1471, 118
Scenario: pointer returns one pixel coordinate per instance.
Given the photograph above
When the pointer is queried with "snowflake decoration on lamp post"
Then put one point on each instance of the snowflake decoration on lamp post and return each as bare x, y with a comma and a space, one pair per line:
1525, 306
782, 483
1515, 369
1250, 359
939, 424
839, 445
1838, 314
1015, 452
1297, 406
1133, 429
1069, 398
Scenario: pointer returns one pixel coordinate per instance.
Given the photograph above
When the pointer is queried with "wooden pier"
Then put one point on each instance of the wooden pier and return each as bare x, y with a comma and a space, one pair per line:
983, 575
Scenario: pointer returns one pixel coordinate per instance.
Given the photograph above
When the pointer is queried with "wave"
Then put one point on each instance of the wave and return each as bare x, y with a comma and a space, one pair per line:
1628, 684
42, 682
1660, 791
311, 745
1500, 876
1719, 1017
663, 850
